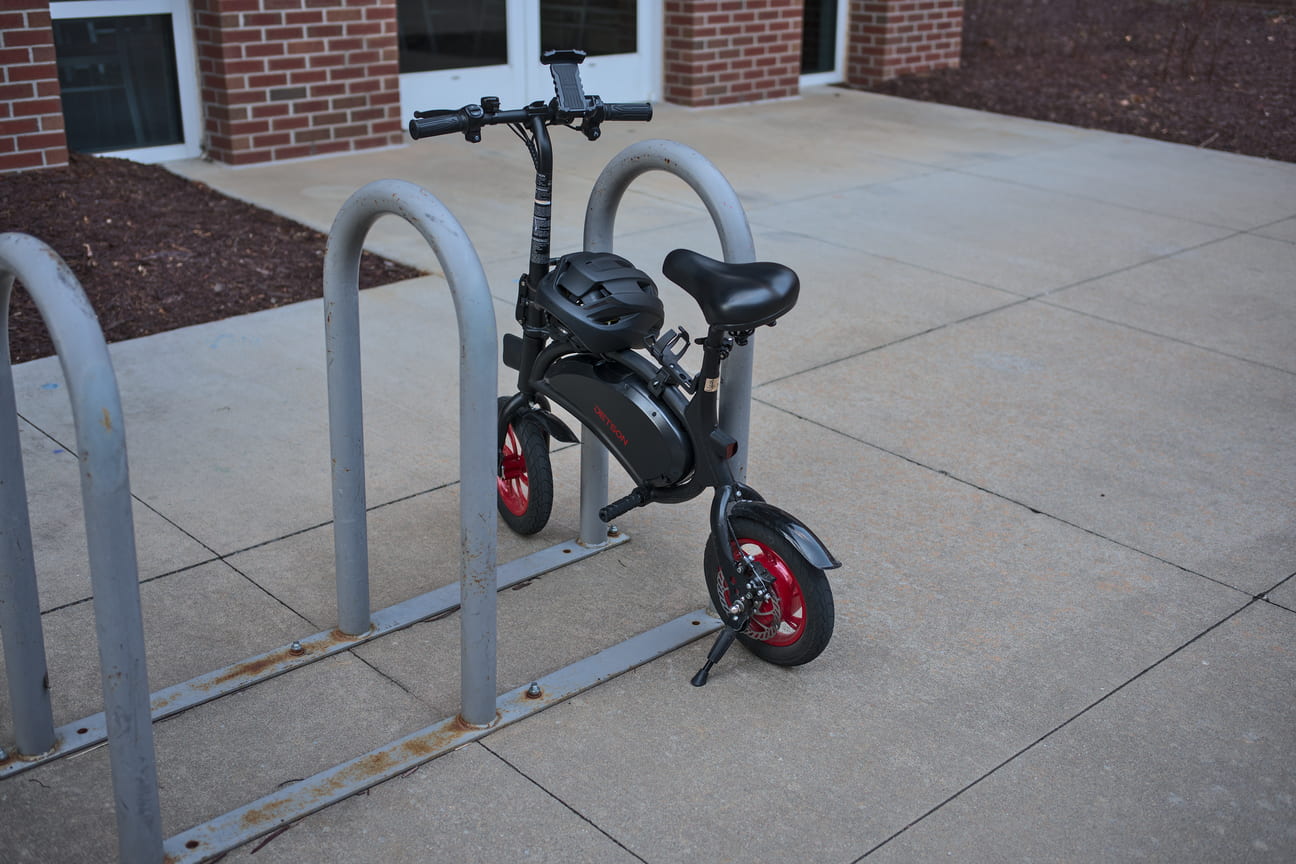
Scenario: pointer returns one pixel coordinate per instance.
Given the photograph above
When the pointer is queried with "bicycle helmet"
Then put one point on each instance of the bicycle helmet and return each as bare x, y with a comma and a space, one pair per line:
603, 300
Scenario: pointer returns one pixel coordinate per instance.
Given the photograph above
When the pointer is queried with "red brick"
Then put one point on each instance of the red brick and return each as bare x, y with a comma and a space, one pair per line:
285, 64
293, 152
41, 141
305, 16
17, 38
37, 107
20, 126
14, 56
273, 139
11, 92
290, 123
20, 161
308, 76
272, 79
285, 34
306, 136
31, 72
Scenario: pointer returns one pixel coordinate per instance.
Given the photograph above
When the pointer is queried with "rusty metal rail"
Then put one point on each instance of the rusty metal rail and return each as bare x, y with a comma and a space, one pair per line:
92, 730
369, 769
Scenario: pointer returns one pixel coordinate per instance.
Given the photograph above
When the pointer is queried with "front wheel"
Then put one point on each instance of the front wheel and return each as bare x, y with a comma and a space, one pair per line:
795, 625
525, 475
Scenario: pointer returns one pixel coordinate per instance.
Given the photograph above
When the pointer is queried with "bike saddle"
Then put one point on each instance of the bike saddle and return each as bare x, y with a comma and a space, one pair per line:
734, 296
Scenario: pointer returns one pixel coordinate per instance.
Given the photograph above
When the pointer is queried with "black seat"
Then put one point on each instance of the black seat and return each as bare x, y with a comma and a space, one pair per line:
734, 296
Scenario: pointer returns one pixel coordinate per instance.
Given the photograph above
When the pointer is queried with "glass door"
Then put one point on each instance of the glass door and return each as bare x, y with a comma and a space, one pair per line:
823, 43
128, 78
617, 38
453, 53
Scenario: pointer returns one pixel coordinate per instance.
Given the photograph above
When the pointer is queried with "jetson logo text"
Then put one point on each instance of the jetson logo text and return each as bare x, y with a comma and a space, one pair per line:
612, 427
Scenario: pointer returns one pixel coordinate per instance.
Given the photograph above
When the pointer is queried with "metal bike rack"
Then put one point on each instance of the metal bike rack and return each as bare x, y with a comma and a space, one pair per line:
477, 423
110, 533
481, 711
736, 244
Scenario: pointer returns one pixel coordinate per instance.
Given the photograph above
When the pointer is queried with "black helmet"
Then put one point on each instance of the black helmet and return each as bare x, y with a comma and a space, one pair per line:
603, 300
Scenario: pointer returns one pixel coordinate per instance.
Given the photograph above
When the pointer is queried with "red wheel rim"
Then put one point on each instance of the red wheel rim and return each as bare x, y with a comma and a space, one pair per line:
514, 487
786, 588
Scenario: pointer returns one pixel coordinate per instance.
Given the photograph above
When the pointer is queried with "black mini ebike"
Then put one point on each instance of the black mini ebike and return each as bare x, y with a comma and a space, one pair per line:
583, 316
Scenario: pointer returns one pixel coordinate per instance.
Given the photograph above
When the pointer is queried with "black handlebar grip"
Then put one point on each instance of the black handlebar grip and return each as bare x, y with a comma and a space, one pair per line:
426, 127
627, 110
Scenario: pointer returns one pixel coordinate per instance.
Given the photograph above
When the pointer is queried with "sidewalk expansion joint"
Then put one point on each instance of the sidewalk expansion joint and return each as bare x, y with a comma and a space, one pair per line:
1058, 728
555, 797
894, 342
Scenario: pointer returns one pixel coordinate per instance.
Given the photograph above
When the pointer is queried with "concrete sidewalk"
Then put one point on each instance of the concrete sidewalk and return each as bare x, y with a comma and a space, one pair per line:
1038, 396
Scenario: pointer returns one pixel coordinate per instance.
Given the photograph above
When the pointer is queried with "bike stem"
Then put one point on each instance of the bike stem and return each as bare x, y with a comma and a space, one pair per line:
533, 341
542, 156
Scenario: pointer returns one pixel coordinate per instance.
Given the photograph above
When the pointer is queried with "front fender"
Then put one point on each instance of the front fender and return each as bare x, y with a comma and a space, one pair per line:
790, 528
519, 404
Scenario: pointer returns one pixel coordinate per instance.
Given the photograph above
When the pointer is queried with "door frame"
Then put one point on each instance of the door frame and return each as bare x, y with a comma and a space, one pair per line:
186, 62
837, 74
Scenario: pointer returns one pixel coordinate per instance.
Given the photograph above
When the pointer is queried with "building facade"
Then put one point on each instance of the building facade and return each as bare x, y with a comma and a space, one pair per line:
249, 81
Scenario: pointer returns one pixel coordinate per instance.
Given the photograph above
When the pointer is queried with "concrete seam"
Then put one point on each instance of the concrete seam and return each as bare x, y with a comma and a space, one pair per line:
1137, 264
1252, 231
1264, 595
1093, 199
1165, 336
573, 810
937, 328
1058, 728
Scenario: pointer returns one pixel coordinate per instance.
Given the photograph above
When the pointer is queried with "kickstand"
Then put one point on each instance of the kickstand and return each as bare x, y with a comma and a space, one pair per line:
722, 643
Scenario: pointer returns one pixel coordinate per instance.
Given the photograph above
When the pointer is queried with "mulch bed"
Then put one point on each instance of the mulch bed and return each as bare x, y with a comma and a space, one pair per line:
155, 251
1211, 73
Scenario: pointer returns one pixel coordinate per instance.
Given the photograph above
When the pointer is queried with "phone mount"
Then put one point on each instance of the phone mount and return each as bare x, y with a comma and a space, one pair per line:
564, 66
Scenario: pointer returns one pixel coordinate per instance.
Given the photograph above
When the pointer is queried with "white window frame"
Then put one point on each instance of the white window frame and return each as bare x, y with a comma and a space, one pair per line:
186, 61
837, 74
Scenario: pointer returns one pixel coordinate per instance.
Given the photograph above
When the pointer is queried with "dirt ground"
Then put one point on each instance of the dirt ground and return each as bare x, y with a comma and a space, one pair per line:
1210, 73
155, 252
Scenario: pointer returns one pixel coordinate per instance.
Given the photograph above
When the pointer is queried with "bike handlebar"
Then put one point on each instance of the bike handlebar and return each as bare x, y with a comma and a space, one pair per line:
470, 118
426, 127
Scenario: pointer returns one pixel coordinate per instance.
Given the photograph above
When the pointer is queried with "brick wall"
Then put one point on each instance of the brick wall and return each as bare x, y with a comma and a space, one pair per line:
282, 79
718, 52
888, 38
31, 115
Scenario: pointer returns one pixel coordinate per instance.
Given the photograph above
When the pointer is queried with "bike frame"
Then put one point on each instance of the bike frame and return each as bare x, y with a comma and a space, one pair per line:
713, 448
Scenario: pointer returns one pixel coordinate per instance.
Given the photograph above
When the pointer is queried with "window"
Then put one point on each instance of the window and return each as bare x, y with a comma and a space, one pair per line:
118, 82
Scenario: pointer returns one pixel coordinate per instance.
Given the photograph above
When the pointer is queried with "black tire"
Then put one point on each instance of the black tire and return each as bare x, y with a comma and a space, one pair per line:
804, 627
524, 484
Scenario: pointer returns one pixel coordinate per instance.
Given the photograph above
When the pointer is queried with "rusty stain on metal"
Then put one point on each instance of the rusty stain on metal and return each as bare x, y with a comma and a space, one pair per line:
248, 669
251, 670
160, 702
107, 420
361, 774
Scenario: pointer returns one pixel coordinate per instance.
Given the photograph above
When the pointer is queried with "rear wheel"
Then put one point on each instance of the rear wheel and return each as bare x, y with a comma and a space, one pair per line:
525, 478
795, 625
